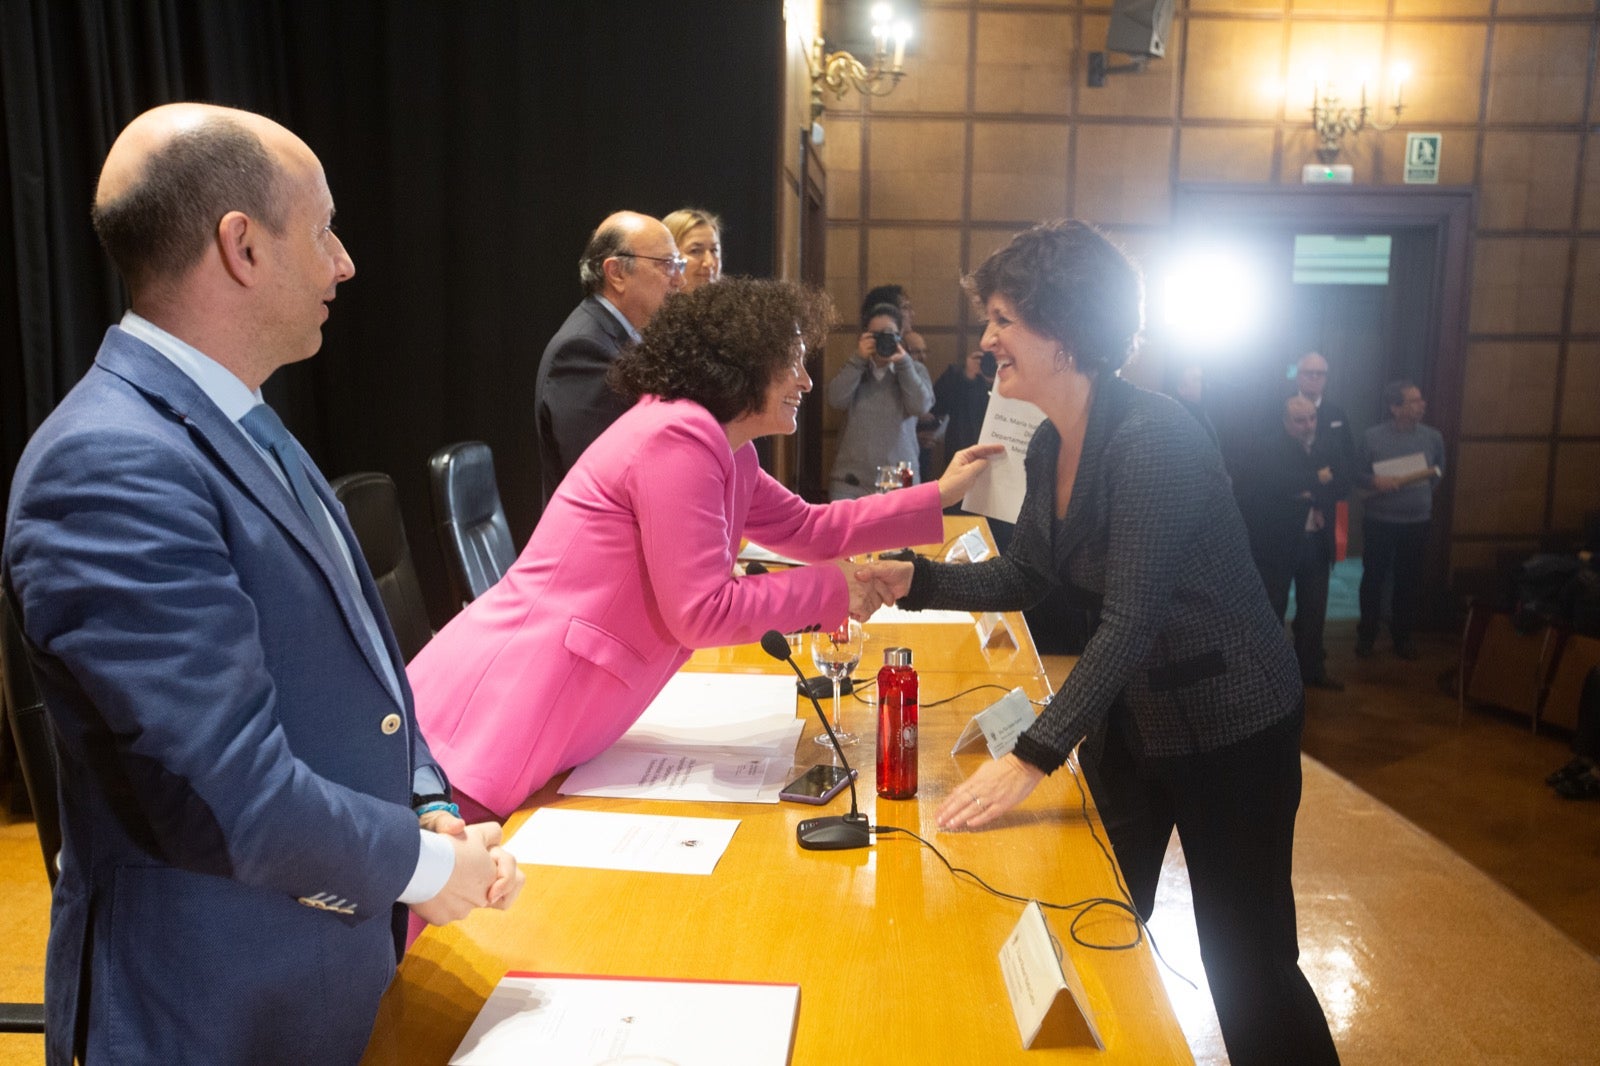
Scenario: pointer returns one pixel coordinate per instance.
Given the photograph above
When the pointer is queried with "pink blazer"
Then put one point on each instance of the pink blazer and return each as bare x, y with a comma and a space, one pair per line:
629, 569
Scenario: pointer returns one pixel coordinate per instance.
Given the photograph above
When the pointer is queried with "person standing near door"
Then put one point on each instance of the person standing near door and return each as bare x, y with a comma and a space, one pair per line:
1338, 449
1395, 529
1333, 425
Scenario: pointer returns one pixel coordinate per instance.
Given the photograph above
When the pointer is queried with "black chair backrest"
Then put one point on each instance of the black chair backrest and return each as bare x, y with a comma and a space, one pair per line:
373, 507
32, 733
472, 523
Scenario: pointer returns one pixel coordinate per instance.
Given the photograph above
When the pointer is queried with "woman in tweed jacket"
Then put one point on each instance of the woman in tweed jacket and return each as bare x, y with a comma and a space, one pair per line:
1187, 693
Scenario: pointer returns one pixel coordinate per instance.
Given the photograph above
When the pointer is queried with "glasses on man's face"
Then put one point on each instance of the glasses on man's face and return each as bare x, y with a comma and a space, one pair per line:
675, 264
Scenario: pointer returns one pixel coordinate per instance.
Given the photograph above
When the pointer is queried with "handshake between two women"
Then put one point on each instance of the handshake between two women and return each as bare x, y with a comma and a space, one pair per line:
873, 585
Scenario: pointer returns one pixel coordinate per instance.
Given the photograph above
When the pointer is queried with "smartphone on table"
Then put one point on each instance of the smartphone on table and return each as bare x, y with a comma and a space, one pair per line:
817, 785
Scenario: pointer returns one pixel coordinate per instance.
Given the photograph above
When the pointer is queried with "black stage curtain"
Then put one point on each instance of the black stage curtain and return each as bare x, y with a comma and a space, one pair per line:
470, 149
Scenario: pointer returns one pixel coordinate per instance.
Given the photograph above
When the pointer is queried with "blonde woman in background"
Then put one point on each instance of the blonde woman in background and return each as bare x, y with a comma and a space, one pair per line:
699, 237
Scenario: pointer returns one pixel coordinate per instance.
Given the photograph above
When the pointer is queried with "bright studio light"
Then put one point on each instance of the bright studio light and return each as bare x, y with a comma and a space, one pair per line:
1211, 299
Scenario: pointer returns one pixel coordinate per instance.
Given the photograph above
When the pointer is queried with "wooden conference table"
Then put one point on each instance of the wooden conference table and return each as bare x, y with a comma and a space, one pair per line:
896, 958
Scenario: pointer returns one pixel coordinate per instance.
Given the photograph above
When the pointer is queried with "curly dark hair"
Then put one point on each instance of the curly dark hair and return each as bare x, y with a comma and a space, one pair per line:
1070, 282
722, 345
883, 294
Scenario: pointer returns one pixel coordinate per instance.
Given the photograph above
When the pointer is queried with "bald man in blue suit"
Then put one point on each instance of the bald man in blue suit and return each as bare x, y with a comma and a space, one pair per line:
247, 804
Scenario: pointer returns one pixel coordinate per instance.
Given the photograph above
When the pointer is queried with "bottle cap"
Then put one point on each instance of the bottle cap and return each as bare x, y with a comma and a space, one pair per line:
897, 656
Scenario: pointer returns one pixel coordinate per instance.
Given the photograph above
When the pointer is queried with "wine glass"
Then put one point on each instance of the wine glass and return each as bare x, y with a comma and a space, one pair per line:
888, 479
836, 653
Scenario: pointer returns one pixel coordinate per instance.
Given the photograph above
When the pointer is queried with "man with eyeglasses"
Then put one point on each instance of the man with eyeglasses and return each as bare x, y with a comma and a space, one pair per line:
628, 268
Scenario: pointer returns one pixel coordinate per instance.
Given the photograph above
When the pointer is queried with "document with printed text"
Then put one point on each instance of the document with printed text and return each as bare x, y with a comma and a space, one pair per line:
680, 774
999, 490
600, 1021
601, 840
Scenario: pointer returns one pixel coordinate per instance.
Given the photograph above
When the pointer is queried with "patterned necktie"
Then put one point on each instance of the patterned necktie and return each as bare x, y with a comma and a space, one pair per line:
264, 426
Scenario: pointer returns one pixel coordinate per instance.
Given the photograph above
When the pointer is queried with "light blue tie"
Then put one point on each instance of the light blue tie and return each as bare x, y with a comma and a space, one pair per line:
264, 426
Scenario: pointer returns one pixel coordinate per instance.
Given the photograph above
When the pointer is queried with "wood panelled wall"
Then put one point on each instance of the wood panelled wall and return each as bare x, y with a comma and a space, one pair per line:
994, 128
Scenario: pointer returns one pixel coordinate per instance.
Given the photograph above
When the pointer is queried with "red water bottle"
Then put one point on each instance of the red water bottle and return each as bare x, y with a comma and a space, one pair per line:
897, 725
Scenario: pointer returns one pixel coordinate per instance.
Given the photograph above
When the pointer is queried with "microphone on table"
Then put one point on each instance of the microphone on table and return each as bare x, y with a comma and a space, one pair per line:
836, 832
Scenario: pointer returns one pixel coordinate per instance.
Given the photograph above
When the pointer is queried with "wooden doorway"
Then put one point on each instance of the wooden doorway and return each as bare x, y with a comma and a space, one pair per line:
1414, 326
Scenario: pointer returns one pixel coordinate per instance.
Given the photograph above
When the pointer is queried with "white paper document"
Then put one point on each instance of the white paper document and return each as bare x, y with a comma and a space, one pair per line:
599, 1021
681, 774
749, 714
1414, 466
600, 840
887, 614
998, 491
755, 553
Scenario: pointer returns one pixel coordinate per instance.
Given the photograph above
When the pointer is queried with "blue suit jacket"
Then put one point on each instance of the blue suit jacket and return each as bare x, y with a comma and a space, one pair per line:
236, 815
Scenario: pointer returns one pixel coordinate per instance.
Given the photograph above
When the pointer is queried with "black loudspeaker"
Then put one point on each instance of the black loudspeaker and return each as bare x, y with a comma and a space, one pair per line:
1140, 27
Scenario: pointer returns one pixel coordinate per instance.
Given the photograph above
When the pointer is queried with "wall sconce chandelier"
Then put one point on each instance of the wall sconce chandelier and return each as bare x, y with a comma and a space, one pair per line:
1333, 120
839, 72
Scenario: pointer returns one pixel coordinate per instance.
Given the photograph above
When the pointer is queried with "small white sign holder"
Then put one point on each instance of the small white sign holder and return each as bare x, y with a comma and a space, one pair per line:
998, 724
994, 631
968, 548
1036, 980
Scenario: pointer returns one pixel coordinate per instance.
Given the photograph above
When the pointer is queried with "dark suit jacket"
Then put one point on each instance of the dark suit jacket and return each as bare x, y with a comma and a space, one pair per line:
572, 402
1338, 444
1273, 497
235, 810
1185, 640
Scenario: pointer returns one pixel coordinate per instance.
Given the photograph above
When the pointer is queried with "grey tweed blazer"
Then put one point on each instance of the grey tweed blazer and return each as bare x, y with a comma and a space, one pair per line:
1186, 645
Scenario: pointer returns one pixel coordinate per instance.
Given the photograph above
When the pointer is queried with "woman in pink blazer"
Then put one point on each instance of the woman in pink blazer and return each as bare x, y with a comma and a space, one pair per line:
631, 566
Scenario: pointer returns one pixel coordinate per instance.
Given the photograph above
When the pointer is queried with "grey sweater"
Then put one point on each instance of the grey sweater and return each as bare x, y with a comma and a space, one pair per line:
1414, 503
1187, 656
882, 424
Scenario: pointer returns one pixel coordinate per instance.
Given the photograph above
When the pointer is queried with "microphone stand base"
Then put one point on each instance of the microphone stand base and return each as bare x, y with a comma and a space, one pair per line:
839, 832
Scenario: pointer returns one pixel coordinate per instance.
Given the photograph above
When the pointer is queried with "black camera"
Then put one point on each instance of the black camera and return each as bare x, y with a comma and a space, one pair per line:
886, 342
986, 365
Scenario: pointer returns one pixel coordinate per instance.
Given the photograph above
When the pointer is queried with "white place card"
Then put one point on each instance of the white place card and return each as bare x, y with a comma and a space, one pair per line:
994, 631
970, 547
1047, 995
998, 724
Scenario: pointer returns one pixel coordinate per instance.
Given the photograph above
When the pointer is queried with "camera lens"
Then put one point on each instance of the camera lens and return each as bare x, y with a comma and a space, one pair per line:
887, 342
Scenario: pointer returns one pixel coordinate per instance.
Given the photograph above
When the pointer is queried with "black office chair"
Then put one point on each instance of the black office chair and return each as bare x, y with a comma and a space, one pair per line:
36, 757
373, 507
471, 521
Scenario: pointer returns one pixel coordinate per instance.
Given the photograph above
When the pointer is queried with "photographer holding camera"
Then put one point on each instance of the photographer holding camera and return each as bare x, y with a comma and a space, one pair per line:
884, 391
